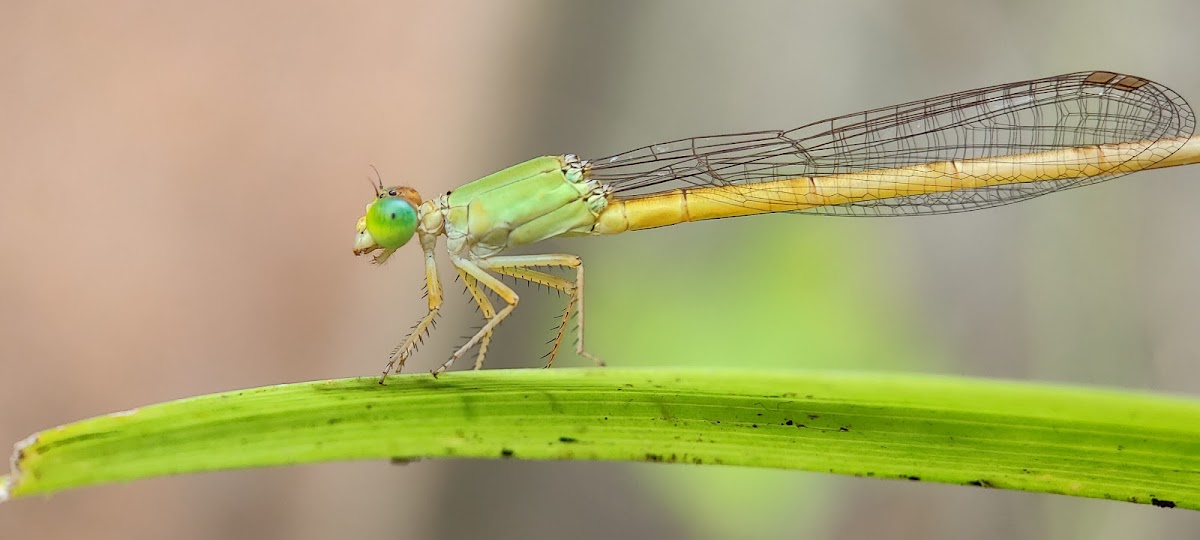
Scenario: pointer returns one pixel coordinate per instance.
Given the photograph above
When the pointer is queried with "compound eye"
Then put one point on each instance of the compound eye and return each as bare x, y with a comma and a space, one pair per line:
391, 222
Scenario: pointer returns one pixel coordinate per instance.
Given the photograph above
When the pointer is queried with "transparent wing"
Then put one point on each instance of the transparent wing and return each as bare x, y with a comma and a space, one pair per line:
1073, 110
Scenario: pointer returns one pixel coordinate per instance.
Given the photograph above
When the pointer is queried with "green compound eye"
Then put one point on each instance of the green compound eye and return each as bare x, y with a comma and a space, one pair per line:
391, 222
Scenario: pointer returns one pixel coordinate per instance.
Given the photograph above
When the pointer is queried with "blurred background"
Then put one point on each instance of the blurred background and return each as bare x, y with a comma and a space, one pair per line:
179, 184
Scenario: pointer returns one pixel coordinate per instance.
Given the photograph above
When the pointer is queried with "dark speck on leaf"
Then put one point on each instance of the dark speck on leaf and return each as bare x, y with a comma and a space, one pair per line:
913, 478
789, 423
980, 483
568, 439
506, 452
1162, 503
333, 421
653, 457
843, 428
753, 425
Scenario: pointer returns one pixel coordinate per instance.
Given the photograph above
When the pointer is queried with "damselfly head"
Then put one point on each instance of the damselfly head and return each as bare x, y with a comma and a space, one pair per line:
388, 222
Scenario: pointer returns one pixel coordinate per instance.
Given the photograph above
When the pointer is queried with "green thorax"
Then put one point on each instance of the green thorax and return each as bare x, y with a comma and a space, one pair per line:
526, 203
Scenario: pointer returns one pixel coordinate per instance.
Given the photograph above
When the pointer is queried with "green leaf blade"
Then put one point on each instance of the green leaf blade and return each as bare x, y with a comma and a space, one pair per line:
1086, 442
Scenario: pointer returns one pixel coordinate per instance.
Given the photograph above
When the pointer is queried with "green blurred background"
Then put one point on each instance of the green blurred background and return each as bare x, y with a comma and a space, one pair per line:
179, 184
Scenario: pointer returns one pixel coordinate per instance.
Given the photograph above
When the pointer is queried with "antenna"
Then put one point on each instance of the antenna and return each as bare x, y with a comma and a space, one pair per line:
378, 188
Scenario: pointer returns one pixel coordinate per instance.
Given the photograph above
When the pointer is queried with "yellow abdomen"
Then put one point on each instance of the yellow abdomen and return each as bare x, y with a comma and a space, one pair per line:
804, 192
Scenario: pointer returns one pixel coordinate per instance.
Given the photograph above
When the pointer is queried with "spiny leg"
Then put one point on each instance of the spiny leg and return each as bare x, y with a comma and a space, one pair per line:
562, 330
485, 307
553, 282
434, 293
487, 280
579, 300
518, 266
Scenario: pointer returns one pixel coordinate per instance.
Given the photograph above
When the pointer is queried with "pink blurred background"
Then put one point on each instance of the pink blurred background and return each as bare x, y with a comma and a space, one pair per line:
179, 184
